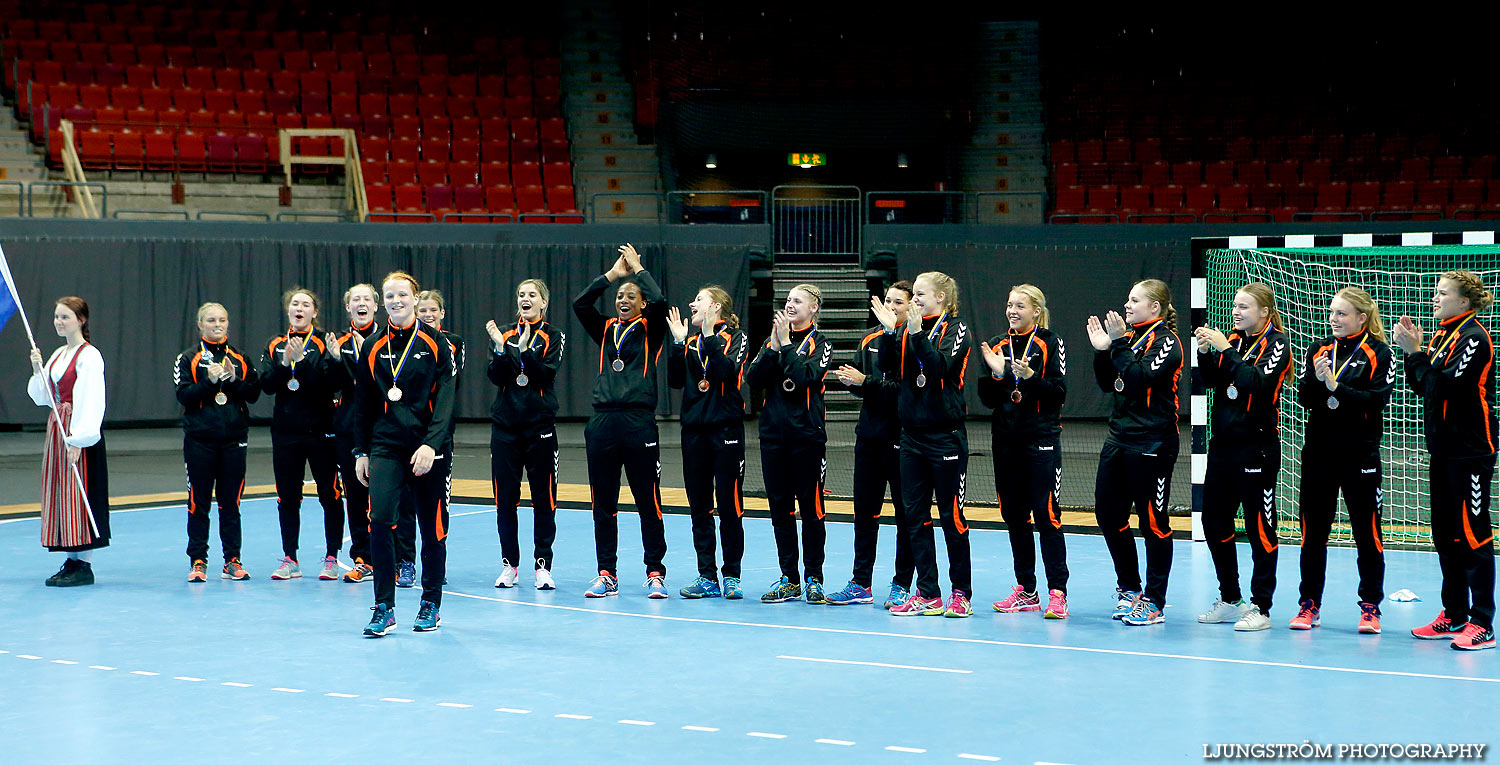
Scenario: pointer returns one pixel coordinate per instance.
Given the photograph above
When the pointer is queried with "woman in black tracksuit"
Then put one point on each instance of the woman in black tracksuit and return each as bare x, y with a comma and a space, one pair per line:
298, 370
709, 368
404, 395
1245, 370
1138, 361
1455, 376
622, 433
524, 360
1344, 386
930, 355
877, 463
793, 439
215, 385
360, 304
1026, 386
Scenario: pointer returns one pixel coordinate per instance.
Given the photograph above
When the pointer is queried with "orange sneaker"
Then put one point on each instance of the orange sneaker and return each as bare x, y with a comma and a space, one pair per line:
233, 571
1441, 628
1307, 616
1369, 619
199, 572
359, 573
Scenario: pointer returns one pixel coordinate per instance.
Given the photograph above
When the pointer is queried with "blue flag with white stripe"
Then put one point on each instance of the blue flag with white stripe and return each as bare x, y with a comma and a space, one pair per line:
9, 301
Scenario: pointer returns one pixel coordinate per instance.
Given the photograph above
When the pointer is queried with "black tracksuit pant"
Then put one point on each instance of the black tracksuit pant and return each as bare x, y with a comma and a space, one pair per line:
625, 438
214, 469
1245, 479
1325, 471
1463, 536
937, 464
1133, 480
877, 463
289, 456
1027, 478
390, 477
534, 450
356, 500
794, 474
713, 468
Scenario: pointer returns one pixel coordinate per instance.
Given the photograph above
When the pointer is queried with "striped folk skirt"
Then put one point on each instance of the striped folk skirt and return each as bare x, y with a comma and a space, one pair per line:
67, 524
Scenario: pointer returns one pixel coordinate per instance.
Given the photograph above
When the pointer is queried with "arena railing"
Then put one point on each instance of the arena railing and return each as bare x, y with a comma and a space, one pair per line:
725, 206
68, 189
354, 177
397, 217
1163, 216
150, 214
483, 217
257, 217
73, 168
549, 217
915, 207
1083, 218
20, 198
296, 217
1327, 216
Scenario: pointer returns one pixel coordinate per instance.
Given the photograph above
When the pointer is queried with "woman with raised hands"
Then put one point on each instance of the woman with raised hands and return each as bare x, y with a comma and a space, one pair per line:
1454, 374
793, 440
1344, 385
708, 365
524, 360
1246, 370
215, 386
1138, 361
929, 354
1026, 386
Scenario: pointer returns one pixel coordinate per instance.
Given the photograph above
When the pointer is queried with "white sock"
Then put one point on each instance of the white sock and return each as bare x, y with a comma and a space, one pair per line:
72, 556
84, 556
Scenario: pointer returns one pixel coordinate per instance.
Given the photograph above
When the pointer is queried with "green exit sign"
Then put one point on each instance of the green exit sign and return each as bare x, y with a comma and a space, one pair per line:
806, 159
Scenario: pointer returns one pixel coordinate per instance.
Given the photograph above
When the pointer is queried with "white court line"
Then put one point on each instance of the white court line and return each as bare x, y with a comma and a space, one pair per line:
63, 661
879, 664
342, 695
758, 734
394, 700
700, 728
187, 679
27, 656
980, 757
144, 673
238, 685
834, 741
289, 690
508, 710
454, 705
567, 716
907, 749
635, 722
102, 668
982, 641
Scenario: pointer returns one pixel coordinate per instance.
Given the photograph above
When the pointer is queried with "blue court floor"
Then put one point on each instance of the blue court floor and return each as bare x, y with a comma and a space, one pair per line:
146, 667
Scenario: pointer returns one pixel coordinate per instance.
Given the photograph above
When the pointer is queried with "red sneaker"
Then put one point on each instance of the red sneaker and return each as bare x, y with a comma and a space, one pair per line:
1369, 619
199, 572
1307, 616
1474, 638
1441, 628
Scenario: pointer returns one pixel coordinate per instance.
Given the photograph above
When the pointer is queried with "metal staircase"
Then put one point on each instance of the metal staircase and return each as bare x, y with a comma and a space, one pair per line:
844, 317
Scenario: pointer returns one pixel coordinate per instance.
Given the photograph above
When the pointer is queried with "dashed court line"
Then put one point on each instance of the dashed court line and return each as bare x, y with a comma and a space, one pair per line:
907, 749
834, 741
878, 664
759, 734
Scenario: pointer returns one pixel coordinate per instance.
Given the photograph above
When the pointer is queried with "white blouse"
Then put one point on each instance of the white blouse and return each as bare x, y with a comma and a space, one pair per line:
88, 393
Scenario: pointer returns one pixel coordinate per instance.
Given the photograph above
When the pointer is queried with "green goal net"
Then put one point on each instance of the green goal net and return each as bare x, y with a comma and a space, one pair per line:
1401, 280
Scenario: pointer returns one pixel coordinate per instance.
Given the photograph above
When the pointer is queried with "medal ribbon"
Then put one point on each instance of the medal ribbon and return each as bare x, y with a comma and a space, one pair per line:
291, 333
1146, 338
1258, 340
620, 336
1334, 351
1451, 339
396, 368
1024, 354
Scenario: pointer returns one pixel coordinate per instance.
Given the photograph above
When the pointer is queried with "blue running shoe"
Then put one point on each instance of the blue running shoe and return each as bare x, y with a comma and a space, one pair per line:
1124, 603
782, 591
1145, 613
603, 585
732, 589
897, 596
814, 591
427, 617
852, 593
382, 622
656, 585
702, 587
406, 574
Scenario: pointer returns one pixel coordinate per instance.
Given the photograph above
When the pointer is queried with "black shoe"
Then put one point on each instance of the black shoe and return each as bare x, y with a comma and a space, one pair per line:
81, 575
67, 568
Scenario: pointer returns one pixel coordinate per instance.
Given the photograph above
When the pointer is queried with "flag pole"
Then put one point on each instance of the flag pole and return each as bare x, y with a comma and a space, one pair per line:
10, 284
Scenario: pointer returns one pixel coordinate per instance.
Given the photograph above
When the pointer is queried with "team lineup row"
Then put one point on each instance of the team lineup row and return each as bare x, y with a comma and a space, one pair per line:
374, 405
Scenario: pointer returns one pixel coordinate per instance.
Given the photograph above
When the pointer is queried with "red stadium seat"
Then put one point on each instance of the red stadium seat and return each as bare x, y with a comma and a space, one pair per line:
435, 149
408, 199
466, 129
1071, 199
408, 127
402, 173
463, 173
531, 199
378, 196
1200, 197
372, 147
219, 101
191, 152
432, 173
170, 77
1433, 193
1364, 195
406, 149
94, 149
465, 151
219, 157
494, 174
373, 170
1333, 195
1234, 197
1168, 197
468, 198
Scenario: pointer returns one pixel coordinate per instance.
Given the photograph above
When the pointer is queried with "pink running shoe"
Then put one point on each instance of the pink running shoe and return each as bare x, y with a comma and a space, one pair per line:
958, 606
1017, 601
916, 605
1057, 605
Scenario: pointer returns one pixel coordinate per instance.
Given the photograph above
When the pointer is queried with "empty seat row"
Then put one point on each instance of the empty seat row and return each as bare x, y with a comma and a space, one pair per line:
437, 173
1284, 171
442, 200
187, 151
1366, 196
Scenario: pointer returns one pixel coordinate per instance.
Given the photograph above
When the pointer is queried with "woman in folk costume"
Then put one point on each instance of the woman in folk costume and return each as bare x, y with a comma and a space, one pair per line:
75, 510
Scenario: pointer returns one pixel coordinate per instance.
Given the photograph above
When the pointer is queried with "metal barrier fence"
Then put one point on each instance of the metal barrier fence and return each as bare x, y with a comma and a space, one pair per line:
815, 220
67, 187
484, 217
150, 214
915, 207
734, 206
294, 216
258, 217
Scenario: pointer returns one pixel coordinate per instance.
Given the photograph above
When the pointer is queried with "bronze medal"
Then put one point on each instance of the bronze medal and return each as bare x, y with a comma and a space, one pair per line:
703, 385
393, 394
1015, 396
220, 398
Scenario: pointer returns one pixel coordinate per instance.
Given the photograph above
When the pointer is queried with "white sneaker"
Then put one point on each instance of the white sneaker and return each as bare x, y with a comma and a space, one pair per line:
330, 570
508, 575
1222, 612
1253, 621
544, 577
